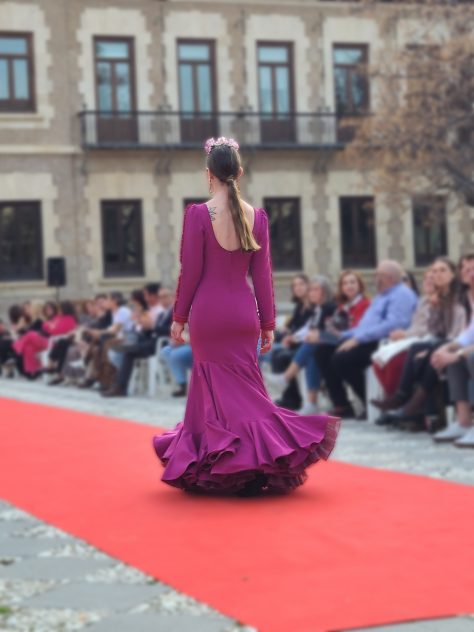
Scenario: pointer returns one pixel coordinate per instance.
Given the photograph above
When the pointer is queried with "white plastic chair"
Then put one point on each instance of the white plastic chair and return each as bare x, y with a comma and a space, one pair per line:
149, 372
157, 370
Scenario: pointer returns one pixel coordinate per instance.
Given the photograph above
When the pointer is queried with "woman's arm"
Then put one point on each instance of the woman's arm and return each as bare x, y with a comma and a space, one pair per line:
459, 321
63, 325
262, 278
192, 262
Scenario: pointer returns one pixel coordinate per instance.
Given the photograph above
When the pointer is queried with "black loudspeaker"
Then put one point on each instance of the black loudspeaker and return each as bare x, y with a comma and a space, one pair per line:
56, 271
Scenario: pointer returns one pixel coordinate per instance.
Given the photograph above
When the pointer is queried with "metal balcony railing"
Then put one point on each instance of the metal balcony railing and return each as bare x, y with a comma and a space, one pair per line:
189, 130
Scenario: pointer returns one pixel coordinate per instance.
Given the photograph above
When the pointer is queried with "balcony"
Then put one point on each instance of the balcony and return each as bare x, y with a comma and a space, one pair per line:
184, 130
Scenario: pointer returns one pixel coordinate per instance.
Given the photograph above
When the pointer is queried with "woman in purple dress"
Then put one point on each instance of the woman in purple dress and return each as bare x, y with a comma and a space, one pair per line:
233, 439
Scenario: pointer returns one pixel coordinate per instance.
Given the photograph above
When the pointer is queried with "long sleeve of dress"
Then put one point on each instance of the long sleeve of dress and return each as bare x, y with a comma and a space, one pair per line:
262, 278
192, 261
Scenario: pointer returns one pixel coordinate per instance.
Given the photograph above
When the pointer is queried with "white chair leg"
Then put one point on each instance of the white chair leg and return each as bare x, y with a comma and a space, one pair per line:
374, 390
132, 384
152, 370
303, 385
43, 357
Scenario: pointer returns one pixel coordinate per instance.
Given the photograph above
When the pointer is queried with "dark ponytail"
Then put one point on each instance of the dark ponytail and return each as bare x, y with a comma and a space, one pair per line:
224, 162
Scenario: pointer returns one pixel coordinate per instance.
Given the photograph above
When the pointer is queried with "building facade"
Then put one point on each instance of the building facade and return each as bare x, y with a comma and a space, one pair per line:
104, 107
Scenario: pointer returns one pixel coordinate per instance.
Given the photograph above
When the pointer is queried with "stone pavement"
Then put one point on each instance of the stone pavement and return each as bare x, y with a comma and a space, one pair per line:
52, 582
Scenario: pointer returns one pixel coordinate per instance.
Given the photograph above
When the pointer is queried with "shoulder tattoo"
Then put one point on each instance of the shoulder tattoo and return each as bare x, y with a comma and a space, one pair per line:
212, 212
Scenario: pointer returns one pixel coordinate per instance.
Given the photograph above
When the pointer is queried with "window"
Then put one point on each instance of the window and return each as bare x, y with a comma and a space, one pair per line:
357, 221
122, 238
285, 232
21, 243
275, 76
351, 86
115, 89
16, 73
197, 89
196, 200
429, 228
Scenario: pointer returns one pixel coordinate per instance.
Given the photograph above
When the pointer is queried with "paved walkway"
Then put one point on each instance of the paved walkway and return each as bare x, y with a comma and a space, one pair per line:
52, 582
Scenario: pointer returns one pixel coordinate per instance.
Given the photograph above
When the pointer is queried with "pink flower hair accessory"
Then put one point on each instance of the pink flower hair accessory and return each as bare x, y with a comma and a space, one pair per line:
222, 140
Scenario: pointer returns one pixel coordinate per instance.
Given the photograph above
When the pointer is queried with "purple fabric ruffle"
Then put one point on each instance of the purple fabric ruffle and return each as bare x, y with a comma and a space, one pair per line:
233, 433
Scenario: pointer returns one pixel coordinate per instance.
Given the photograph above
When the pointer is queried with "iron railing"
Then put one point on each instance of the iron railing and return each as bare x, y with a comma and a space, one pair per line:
188, 130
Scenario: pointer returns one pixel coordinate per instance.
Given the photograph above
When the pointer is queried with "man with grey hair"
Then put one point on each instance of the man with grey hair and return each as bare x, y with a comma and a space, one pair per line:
392, 308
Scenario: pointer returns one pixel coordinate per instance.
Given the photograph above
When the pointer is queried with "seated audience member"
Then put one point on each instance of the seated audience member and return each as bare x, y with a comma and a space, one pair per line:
63, 325
40, 323
86, 313
466, 281
389, 359
446, 319
93, 316
101, 340
179, 358
6, 348
392, 308
103, 314
34, 313
458, 358
308, 336
18, 327
151, 293
302, 311
140, 316
145, 346
352, 303
291, 396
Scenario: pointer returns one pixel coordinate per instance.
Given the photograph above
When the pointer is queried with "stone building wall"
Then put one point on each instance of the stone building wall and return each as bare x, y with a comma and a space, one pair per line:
41, 157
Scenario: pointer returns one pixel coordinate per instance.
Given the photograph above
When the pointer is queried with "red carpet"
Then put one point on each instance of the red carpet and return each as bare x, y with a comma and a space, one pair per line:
353, 547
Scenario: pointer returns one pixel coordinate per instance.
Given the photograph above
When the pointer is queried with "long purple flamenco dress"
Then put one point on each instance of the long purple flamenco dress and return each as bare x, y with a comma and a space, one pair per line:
233, 435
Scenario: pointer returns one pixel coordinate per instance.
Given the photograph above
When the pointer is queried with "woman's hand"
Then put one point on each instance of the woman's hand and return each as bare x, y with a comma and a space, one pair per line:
267, 340
312, 336
443, 357
177, 332
398, 334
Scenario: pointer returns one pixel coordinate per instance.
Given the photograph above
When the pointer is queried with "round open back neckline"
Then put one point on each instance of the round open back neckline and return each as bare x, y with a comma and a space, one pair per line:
214, 234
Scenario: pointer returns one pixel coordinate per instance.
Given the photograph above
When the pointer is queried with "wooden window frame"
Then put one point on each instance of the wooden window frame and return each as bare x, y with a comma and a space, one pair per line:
212, 63
354, 261
425, 260
130, 60
267, 201
120, 271
273, 65
38, 273
20, 105
352, 68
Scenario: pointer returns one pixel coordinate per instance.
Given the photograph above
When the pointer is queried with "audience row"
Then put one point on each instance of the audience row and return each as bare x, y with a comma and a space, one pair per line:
420, 348
408, 341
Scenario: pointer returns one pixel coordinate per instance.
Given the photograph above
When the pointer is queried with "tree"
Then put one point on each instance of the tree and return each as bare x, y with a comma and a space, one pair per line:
419, 138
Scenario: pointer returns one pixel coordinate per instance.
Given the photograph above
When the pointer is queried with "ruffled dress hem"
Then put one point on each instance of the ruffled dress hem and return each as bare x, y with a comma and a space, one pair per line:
274, 452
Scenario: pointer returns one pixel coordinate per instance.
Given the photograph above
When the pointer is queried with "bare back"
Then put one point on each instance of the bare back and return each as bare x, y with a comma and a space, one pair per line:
223, 225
